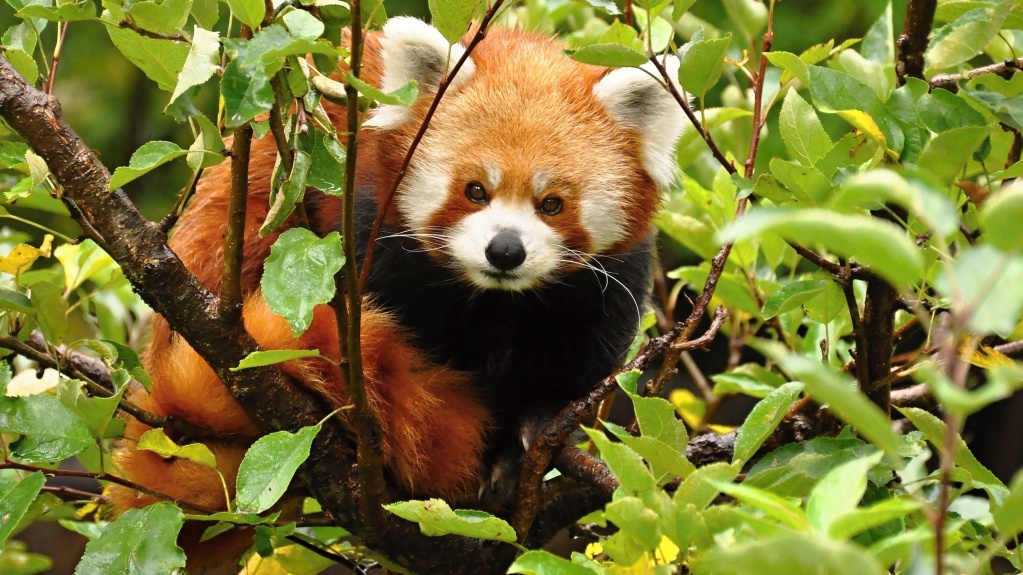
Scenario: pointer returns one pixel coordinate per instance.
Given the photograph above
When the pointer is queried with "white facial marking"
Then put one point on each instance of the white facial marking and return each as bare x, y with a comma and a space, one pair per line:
493, 174
423, 192
541, 179
602, 215
470, 238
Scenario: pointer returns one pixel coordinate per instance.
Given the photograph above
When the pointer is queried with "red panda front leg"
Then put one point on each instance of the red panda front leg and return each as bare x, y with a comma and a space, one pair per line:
431, 421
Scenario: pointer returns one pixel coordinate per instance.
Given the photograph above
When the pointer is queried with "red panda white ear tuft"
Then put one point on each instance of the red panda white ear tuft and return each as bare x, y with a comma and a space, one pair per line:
638, 99
413, 50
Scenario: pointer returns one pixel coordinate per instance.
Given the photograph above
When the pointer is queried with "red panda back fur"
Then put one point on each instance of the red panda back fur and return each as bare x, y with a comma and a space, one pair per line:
604, 154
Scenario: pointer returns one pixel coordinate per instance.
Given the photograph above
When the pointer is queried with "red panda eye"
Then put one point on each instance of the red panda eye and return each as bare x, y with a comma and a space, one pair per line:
476, 192
551, 205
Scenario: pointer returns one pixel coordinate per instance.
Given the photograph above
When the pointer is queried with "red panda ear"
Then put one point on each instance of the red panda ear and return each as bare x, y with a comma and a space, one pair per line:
638, 99
413, 50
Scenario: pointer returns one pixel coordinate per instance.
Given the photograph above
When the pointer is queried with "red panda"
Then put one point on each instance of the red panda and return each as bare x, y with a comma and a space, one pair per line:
507, 279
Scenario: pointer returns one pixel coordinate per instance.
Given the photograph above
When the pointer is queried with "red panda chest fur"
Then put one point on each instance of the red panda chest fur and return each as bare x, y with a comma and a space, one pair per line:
507, 280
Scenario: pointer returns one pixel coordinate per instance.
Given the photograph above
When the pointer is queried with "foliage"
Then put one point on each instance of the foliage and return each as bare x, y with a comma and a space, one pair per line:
858, 212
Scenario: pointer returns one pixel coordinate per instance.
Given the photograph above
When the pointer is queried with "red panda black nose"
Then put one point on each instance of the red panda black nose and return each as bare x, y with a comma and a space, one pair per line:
505, 252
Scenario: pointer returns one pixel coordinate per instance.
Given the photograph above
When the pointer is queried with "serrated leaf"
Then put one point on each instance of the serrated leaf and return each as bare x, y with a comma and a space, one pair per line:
49, 430
1000, 218
268, 466
699, 489
794, 554
802, 130
160, 60
23, 63
941, 111
792, 470
206, 13
880, 245
544, 563
327, 162
303, 25
156, 440
162, 17
763, 419
840, 394
201, 63
792, 296
140, 542
246, 92
284, 199
96, 412
68, 12
452, 17
926, 199
404, 96
841, 94
861, 519
666, 461
934, 429
51, 310
250, 12
206, 150
839, 492
261, 358
701, 64
299, 275
625, 463
610, 56
983, 284
145, 159
15, 498
783, 510
961, 40
945, 155
435, 517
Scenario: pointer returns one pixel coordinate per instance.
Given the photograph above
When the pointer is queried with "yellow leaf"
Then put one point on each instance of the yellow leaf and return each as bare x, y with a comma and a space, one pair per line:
666, 552
866, 124
594, 549
987, 357
21, 258
689, 407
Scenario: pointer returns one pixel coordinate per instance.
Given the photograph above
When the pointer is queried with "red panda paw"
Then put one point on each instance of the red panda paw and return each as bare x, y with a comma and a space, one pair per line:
432, 424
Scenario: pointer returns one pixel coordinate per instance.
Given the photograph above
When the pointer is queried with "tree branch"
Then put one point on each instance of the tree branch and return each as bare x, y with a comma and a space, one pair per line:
234, 239
950, 82
913, 41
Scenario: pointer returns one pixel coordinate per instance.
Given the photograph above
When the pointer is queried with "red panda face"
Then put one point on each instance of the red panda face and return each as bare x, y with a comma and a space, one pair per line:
533, 163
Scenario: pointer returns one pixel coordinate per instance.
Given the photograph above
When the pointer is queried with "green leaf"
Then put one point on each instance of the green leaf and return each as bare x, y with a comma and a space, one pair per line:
802, 130
96, 412
838, 93
750, 15
839, 393
839, 492
284, 199
299, 275
67, 12
246, 92
435, 517
1005, 108
920, 195
140, 542
748, 379
679, 8
327, 162
1008, 515
964, 38
544, 563
268, 466
404, 96
699, 489
15, 498
145, 159
880, 245
156, 440
452, 17
861, 519
625, 463
983, 283
701, 64
48, 299
792, 296
1000, 218
934, 429
261, 358
163, 17
792, 555
201, 63
206, 13
785, 511
160, 60
610, 56
793, 66
49, 431
947, 153
763, 419
632, 515
303, 25
23, 63
206, 150
792, 470
11, 300
941, 111
667, 461
250, 12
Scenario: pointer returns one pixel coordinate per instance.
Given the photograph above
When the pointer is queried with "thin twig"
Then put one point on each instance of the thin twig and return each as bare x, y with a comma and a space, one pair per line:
57, 49
230, 308
481, 33
168, 221
950, 82
75, 494
325, 553
759, 118
110, 479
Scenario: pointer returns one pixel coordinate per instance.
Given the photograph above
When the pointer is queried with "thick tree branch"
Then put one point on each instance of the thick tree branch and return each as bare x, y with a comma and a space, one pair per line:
913, 42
